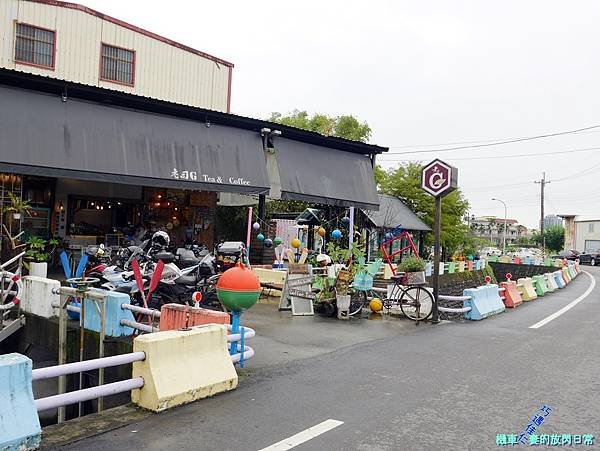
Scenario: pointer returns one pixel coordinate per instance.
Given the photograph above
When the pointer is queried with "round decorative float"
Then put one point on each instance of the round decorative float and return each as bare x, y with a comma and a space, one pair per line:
238, 288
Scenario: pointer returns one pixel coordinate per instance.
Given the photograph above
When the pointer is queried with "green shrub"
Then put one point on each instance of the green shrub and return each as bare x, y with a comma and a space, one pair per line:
411, 264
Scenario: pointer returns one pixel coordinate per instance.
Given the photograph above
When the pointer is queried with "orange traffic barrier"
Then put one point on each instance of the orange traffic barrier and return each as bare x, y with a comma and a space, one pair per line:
512, 297
177, 316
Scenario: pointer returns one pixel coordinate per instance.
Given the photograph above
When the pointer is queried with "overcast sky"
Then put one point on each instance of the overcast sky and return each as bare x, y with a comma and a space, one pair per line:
420, 73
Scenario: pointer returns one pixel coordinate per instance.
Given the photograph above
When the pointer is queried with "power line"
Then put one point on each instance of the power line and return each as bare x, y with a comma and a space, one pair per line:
478, 141
494, 157
498, 143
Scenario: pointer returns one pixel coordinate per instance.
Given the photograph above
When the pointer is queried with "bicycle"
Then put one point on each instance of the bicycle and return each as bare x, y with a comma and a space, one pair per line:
414, 300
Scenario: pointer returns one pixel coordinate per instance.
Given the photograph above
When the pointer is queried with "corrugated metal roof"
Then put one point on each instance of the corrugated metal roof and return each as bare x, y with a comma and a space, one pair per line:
126, 100
393, 213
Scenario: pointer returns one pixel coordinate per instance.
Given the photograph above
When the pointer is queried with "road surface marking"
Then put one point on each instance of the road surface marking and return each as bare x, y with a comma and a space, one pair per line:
304, 436
568, 306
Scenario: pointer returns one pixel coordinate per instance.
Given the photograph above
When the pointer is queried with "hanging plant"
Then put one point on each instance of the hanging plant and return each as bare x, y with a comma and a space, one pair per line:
18, 206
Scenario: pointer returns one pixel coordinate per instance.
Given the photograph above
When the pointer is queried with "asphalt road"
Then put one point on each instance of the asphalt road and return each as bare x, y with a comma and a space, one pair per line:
450, 386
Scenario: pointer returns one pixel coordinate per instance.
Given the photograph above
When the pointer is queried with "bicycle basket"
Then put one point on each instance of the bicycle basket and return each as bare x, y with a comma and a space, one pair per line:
363, 281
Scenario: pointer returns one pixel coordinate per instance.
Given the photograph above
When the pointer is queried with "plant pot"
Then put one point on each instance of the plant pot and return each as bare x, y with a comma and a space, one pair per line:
343, 305
38, 269
17, 216
413, 278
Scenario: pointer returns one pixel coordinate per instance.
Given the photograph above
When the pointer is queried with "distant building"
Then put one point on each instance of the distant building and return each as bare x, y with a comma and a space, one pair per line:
553, 220
492, 229
582, 234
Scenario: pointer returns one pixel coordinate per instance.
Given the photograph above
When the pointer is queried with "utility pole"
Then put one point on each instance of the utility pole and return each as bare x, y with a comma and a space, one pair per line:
543, 182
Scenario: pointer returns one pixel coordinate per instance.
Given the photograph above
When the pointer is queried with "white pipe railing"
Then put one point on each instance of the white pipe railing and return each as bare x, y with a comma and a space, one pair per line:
86, 365
64, 399
12, 260
139, 326
145, 311
69, 307
248, 333
248, 354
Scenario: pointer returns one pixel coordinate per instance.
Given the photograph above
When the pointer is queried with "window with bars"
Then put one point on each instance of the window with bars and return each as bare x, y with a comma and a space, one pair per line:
34, 45
117, 64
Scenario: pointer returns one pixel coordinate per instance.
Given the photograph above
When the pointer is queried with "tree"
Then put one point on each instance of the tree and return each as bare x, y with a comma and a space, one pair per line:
555, 238
404, 182
345, 126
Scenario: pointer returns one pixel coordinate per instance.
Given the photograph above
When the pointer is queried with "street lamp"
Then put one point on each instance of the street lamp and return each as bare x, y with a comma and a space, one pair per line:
504, 237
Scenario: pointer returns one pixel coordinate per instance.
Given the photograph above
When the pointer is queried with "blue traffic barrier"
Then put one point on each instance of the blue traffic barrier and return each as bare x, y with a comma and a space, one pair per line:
558, 278
484, 301
19, 423
114, 313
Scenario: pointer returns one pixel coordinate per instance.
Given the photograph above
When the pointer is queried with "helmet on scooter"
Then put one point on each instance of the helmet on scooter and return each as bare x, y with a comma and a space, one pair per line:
160, 239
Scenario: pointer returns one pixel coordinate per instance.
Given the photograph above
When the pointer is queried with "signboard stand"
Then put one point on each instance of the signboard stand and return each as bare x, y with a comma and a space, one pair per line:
438, 179
297, 294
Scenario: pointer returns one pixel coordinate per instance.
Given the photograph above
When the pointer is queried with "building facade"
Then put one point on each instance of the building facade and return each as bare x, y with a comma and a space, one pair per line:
553, 220
587, 235
492, 229
71, 42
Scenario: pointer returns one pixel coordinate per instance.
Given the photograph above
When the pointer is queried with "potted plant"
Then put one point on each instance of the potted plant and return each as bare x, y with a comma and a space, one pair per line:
38, 253
414, 269
18, 206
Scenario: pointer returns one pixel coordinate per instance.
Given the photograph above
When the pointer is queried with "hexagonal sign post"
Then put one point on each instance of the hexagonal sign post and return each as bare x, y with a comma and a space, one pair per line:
438, 179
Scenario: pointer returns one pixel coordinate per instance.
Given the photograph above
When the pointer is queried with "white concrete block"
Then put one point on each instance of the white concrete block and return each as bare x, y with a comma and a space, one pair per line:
37, 297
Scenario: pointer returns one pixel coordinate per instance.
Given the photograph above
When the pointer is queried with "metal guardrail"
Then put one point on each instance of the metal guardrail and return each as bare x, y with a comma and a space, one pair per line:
86, 394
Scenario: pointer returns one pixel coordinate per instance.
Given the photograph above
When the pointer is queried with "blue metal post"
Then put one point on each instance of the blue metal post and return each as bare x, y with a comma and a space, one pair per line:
235, 329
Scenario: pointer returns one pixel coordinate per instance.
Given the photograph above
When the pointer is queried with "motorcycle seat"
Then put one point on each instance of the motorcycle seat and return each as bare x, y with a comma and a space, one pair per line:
185, 261
186, 280
123, 289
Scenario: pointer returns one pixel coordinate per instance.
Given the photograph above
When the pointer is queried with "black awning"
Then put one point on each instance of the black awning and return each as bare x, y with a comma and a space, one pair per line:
42, 135
326, 176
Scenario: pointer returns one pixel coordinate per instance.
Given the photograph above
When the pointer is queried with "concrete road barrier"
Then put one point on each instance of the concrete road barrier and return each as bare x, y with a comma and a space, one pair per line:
539, 283
566, 276
19, 423
114, 313
177, 316
550, 282
512, 297
526, 289
38, 296
572, 272
182, 366
559, 279
484, 302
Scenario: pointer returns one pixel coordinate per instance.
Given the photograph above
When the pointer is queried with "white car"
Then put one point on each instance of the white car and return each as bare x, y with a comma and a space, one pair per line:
524, 252
491, 251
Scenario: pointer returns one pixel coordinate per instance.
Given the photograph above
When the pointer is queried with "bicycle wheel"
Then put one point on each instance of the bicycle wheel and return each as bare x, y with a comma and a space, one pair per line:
393, 300
416, 303
358, 299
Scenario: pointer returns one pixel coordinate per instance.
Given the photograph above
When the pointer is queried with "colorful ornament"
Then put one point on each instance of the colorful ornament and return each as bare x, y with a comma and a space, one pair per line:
336, 234
296, 243
260, 237
322, 231
268, 242
256, 226
238, 288
277, 241
346, 221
